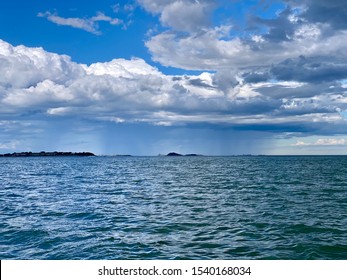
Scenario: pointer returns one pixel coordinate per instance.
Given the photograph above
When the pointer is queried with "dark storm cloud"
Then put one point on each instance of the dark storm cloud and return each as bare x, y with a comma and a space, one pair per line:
301, 91
279, 29
302, 69
333, 12
311, 70
199, 83
256, 77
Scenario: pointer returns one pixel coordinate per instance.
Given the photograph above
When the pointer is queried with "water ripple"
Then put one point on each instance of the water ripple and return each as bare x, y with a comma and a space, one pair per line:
173, 208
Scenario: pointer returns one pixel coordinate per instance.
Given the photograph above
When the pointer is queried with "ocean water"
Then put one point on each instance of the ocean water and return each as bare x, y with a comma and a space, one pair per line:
173, 207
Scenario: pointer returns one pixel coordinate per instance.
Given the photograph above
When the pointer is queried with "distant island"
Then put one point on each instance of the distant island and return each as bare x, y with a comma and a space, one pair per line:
172, 154
47, 154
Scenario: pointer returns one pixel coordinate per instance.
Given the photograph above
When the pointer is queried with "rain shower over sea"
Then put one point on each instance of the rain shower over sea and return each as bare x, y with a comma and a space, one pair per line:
241, 207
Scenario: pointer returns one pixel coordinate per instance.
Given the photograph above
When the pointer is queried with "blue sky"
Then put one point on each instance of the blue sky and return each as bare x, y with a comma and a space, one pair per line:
145, 77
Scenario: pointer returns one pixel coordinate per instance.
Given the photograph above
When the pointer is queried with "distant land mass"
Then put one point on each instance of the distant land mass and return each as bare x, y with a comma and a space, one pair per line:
173, 154
47, 154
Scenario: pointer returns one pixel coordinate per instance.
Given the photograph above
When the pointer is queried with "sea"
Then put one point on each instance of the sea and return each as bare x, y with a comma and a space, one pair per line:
151, 208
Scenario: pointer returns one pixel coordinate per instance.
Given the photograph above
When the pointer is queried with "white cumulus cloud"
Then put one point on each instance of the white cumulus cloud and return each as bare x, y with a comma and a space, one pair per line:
45, 85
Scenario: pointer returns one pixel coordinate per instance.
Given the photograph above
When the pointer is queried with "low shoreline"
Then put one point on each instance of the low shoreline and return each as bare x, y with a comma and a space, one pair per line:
47, 154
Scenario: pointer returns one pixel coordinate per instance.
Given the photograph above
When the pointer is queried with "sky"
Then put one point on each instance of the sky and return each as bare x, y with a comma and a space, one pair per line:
148, 77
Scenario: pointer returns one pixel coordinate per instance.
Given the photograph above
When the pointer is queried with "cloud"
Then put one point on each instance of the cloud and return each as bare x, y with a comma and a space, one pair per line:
156, 6
86, 24
284, 73
12, 130
39, 85
287, 69
279, 29
182, 16
312, 69
204, 51
23, 67
324, 142
295, 45
176, 15
9, 145
212, 50
315, 70
333, 12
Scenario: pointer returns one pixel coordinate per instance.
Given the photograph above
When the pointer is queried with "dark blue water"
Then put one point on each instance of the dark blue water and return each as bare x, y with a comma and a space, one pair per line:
173, 208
